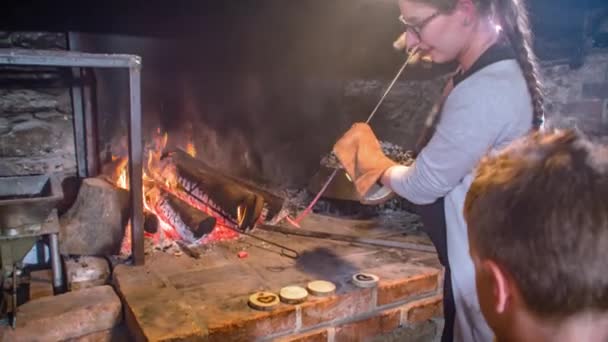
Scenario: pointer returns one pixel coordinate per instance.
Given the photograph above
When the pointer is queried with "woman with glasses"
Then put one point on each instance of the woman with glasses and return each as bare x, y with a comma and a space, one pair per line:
493, 99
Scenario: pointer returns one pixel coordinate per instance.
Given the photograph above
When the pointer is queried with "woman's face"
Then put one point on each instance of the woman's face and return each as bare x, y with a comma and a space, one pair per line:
442, 36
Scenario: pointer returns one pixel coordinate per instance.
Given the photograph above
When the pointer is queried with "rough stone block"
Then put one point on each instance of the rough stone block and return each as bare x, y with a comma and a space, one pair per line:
66, 316
89, 228
86, 271
584, 108
153, 310
162, 316
118, 334
595, 90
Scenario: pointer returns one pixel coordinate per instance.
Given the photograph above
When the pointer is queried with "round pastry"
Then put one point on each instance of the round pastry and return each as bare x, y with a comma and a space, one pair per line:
264, 301
365, 280
293, 294
321, 288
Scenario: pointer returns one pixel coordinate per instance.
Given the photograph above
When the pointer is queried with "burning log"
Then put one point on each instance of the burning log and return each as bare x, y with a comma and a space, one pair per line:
114, 169
151, 223
198, 222
191, 224
241, 203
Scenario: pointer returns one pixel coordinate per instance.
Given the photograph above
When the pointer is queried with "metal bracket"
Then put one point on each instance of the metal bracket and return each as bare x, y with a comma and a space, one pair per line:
74, 59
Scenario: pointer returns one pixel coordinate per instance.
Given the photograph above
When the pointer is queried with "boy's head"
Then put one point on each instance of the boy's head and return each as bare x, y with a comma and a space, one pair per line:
538, 229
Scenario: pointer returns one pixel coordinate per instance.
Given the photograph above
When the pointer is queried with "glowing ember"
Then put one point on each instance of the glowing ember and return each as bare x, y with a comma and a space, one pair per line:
191, 150
122, 179
158, 175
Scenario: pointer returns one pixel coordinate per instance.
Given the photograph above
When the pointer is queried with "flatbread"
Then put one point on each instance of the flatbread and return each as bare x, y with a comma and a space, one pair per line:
293, 294
321, 288
365, 280
264, 301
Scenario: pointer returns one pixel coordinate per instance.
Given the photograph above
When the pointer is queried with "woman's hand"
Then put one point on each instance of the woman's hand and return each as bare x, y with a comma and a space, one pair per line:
361, 155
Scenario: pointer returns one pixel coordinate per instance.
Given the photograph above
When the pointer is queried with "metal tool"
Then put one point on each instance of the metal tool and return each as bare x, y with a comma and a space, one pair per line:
412, 56
293, 254
349, 238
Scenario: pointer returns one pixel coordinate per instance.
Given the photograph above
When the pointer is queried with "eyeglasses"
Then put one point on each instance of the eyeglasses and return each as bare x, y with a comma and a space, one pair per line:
417, 28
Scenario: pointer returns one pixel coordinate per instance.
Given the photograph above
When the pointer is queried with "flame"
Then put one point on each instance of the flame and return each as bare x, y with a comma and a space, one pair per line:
240, 214
190, 149
159, 175
122, 179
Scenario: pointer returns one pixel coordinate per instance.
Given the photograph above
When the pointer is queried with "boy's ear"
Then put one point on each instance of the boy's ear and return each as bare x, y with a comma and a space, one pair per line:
501, 287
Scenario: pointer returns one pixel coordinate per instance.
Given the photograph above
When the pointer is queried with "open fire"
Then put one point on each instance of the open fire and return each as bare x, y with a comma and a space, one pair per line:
186, 201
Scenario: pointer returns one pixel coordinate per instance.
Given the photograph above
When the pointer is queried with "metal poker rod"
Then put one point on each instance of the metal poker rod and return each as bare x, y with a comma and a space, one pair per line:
331, 177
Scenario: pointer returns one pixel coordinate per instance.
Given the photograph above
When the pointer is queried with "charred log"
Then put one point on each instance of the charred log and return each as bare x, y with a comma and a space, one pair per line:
190, 223
197, 221
184, 161
227, 197
150, 223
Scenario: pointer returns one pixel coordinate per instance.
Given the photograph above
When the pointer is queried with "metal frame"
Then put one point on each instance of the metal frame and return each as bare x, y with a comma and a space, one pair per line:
93, 60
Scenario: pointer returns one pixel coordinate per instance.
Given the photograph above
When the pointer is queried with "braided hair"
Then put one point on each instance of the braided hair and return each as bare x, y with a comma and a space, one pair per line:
513, 18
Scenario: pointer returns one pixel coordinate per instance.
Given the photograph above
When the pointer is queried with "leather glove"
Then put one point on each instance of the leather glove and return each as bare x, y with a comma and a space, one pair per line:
360, 153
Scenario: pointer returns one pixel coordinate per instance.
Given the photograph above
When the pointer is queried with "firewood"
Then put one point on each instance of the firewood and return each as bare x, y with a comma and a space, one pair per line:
228, 191
150, 223
197, 221
95, 224
191, 224
243, 203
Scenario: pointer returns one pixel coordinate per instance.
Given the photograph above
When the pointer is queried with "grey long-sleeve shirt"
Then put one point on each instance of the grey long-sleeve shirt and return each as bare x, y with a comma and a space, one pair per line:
482, 114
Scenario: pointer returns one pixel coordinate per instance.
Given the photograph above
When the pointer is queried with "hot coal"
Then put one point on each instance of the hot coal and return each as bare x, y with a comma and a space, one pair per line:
395, 152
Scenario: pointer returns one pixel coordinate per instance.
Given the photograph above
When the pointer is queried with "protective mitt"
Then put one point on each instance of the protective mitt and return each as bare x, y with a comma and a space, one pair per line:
360, 153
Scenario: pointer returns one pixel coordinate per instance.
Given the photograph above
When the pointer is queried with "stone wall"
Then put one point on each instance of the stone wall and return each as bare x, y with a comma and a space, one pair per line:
579, 97
36, 133
575, 98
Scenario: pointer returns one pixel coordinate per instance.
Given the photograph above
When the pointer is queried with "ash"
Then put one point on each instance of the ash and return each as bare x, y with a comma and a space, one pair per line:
396, 209
296, 200
395, 152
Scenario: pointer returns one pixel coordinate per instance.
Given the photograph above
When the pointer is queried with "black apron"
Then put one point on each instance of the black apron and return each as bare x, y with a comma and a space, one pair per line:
433, 215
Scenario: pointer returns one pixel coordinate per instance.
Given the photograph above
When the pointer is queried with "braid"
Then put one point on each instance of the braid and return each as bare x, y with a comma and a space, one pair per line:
514, 21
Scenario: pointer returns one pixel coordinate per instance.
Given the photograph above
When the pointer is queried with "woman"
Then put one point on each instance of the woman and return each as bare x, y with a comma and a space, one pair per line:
495, 99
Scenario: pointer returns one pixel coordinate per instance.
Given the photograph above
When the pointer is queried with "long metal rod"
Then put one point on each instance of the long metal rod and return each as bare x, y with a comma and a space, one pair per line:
290, 252
285, 251
135, 167
58, 286
388, 89
90, 121
349, 238
79, 125
97, 60
67, 58
308, 209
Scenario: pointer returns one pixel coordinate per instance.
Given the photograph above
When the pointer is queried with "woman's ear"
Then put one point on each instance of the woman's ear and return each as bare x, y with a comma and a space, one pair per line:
468, 10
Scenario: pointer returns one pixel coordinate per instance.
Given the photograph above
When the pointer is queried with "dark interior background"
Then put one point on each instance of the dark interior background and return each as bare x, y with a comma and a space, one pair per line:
257, 85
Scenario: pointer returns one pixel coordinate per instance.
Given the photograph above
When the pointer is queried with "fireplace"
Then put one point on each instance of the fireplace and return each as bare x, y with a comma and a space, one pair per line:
199, 193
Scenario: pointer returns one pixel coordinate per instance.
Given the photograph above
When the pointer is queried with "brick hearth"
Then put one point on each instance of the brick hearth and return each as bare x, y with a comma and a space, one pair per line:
180, 298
